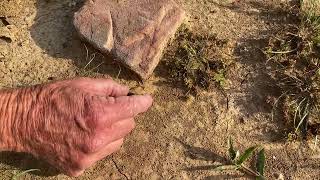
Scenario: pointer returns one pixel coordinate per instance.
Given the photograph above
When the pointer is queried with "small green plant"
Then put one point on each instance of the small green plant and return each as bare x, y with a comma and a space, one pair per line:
237, 160
193, 60
18, 175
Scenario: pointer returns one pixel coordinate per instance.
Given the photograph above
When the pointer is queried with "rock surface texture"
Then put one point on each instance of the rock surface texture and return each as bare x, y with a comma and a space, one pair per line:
135, 32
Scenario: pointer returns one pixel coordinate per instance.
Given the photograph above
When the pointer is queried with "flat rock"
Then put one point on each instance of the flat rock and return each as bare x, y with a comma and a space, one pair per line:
135, 32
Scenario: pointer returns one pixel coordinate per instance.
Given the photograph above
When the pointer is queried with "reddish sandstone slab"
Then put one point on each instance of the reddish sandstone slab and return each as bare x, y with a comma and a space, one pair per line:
134, 31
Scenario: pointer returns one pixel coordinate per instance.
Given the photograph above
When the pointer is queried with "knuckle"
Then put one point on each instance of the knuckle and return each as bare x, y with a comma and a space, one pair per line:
78, 167
90, 146
78, 163
83, 163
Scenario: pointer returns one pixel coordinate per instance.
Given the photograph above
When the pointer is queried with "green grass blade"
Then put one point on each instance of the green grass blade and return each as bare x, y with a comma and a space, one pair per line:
298, 109
261, 164
247, 153
16, 177
232, 152
305, 114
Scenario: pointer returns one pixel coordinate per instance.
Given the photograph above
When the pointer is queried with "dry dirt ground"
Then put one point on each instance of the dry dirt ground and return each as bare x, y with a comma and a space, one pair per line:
44, 46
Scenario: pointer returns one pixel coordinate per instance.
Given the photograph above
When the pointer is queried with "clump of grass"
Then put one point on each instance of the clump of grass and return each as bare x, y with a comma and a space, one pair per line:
295, 54
90, 69
193, 60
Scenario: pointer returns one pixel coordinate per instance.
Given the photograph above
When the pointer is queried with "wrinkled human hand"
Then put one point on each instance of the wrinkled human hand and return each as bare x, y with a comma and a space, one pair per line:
74, 123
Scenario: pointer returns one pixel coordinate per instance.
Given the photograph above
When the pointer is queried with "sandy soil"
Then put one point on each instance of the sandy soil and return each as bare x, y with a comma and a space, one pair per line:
42, 46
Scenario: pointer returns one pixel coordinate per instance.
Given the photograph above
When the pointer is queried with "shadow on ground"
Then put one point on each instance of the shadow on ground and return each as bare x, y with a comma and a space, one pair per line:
199, 153
54, 32
256, 84
23, 162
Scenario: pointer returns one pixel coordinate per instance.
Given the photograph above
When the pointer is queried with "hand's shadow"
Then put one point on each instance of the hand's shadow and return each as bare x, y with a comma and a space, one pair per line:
23, 162
53, 31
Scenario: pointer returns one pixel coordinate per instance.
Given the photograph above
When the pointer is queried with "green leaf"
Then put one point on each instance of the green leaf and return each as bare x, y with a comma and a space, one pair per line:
16, 177
232, 152
247, 153
261, 164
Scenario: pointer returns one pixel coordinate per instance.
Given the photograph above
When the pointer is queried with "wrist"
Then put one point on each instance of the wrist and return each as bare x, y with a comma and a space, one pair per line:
15, 108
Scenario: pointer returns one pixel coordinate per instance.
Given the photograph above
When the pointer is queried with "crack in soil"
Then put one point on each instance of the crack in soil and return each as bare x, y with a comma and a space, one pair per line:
118, 169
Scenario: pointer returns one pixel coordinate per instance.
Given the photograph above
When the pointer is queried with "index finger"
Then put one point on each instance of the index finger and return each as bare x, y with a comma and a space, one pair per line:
124, 107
